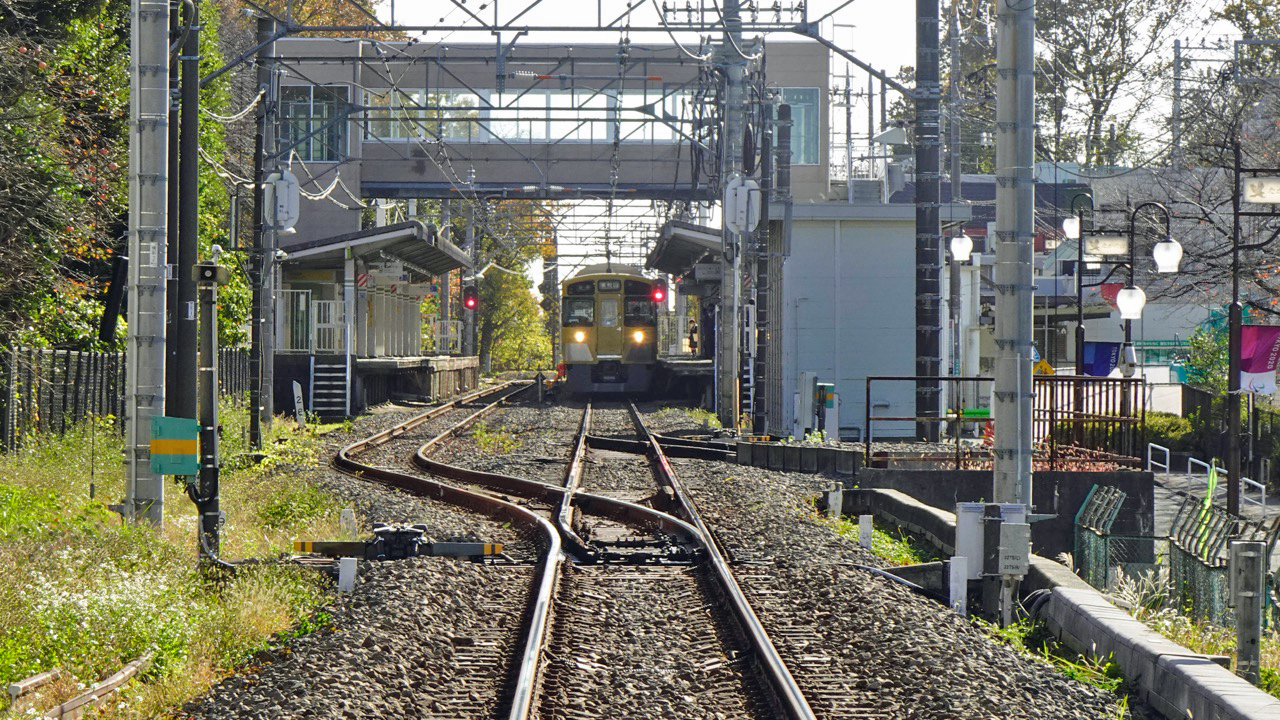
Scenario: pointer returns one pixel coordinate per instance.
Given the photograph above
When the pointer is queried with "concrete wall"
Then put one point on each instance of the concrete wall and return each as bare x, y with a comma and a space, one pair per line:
1057, 493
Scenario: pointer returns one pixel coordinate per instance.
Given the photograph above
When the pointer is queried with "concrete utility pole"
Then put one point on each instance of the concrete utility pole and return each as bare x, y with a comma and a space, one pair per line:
148, 222
1015, 214
729, 335
928, 221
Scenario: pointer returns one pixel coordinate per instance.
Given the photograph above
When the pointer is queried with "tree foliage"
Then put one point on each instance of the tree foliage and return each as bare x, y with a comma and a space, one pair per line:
63, 103
1207, 363
1100, 69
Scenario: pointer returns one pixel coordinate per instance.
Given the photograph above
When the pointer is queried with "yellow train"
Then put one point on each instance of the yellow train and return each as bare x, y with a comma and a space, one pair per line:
609, 329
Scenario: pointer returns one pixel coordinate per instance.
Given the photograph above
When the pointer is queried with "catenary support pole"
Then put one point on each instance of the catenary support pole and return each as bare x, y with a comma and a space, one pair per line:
1015, 198
928, 222
183, 326
263, 327
1235, 319
148, 220
729, 335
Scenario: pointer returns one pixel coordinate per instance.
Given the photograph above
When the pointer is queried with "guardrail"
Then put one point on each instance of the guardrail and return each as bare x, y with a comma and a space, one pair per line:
1246, 485
1152, 462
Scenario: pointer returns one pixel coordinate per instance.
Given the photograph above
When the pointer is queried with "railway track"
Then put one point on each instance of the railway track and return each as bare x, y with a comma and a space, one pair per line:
639, 624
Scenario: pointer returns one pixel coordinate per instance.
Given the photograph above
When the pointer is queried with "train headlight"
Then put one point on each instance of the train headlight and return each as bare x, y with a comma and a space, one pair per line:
638, 336
579, 336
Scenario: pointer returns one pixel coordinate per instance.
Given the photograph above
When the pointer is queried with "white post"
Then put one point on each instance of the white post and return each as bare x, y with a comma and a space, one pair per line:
959, 571
864, 531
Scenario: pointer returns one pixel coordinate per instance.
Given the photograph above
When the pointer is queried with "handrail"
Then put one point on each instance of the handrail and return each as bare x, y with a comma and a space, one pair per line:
1245, 483
1153, 462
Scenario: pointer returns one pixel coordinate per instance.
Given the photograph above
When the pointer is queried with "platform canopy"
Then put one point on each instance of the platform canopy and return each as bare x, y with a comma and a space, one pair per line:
414, 243
682, 245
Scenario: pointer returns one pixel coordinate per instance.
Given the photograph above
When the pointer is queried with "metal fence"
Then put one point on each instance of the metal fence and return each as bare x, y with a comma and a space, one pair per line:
1196, 552
48, 391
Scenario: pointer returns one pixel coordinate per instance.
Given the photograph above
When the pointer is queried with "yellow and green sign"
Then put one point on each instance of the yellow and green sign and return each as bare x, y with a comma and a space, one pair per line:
175, 446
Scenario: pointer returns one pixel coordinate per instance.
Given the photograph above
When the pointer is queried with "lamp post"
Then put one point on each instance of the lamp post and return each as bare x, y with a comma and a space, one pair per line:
1131, 300
961, 250
1073, 228
1263, 188
1167, 254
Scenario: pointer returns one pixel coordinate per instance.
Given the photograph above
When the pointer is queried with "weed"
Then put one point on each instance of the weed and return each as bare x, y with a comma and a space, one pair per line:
85, 592
498, 442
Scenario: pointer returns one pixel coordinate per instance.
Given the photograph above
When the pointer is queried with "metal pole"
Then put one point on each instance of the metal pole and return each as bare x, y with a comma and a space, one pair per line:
181, 370
210, 453
270, 237
1234, 322
928, 224
1079, 294
957, 194
469, 316
1248, 568
1175, 121
259, 274
1015, 157
730, 331
148, 220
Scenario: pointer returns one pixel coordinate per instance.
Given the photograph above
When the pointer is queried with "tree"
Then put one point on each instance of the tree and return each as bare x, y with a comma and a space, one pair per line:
1107, 64
510, 235
63, 102
1207, 361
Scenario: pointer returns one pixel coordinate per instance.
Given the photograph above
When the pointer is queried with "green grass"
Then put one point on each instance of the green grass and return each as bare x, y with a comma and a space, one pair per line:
699, 416
896, 548
1152, 602
1033, 640
85, 593
499, 442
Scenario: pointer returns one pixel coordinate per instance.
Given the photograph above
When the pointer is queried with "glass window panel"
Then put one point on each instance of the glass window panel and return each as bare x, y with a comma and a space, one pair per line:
804, 124
609, 313
633, 124
579, 311
640, 312
330, 104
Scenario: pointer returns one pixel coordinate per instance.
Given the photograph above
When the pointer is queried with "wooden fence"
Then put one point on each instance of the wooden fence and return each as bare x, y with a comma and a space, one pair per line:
48, 391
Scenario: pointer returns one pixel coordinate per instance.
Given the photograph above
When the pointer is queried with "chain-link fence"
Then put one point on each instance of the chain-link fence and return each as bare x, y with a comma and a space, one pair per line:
1195, 552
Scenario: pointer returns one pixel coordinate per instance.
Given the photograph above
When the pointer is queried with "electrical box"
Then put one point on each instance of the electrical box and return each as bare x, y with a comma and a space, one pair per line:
1015, 548
969, 536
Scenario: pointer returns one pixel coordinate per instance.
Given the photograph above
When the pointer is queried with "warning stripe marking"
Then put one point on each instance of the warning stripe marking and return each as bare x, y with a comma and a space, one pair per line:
172, 446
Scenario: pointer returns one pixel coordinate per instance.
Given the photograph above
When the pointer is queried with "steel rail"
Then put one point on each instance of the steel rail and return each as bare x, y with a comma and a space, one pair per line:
548, 570
788, 692
604, 506
560, 498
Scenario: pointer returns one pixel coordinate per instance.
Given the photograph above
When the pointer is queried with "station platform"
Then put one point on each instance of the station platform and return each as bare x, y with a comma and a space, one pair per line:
684, 376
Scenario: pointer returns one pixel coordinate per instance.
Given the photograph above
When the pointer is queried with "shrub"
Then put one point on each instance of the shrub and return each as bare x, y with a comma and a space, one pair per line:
1172, 431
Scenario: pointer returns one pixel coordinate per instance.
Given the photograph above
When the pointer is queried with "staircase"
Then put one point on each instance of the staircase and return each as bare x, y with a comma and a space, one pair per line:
329, 386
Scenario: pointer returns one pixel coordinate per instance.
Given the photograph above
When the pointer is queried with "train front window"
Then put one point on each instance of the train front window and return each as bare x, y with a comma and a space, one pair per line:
640, 312
608, 313
579, 311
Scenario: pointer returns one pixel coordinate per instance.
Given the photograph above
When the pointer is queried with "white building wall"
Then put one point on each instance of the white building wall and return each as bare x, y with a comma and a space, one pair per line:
849, 310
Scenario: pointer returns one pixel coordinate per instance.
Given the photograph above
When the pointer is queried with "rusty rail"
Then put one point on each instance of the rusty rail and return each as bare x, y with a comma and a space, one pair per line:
786, 690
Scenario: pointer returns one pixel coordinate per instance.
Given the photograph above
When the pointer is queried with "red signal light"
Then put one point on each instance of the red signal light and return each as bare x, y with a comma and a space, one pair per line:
659, 293
470, 298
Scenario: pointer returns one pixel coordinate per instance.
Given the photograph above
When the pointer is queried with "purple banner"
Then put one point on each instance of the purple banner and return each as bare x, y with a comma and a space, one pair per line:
1100, 358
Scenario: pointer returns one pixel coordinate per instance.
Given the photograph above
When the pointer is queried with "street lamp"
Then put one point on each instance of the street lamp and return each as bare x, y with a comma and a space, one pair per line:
1130, 300
1263, 188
